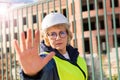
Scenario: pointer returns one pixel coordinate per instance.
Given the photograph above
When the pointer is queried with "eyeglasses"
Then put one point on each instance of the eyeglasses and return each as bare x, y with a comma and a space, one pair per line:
53, 35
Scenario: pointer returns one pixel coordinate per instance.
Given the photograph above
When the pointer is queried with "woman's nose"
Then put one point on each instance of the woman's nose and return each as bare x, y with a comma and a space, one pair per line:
58, 37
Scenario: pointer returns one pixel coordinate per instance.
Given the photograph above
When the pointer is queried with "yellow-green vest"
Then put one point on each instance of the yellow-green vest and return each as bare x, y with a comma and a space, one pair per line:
68, 71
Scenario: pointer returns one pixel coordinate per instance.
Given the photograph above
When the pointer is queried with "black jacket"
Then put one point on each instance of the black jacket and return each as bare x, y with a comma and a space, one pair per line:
49, 72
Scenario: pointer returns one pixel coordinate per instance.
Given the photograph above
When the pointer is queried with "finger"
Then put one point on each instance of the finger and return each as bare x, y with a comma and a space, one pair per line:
29, 39
36, 39
23, 44
17, 48
48, 58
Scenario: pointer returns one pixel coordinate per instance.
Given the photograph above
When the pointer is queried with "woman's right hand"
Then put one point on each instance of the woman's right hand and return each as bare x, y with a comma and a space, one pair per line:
27, 53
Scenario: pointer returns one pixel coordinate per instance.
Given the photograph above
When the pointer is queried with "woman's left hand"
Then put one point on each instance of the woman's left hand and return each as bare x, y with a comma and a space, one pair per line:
27, 53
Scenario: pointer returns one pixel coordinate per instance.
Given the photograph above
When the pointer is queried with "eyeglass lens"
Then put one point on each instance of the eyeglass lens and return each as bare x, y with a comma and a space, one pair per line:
62, 34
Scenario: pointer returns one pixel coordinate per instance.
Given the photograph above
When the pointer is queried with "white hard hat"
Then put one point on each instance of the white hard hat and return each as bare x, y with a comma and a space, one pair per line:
53, 19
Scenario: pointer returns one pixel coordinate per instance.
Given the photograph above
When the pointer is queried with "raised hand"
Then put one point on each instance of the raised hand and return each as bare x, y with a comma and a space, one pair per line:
27, 53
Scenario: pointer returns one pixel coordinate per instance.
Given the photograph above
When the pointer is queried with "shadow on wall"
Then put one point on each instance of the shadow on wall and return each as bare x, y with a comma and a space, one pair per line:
105, 65
113, 62
96, 67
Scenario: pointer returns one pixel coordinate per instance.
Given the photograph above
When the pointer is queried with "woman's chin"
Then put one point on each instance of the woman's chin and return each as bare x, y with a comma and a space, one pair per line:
59, 48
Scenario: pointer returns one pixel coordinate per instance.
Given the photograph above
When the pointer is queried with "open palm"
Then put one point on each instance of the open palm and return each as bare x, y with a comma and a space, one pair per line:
30, 61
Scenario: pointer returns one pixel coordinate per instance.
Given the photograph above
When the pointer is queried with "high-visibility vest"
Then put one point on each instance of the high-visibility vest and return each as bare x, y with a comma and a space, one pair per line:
68, 71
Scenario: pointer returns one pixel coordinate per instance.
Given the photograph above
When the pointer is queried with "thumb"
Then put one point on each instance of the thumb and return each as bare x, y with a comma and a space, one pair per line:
48, 57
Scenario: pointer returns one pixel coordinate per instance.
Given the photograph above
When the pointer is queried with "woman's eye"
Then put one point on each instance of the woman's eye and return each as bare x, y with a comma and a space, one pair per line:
53, 34
62, 32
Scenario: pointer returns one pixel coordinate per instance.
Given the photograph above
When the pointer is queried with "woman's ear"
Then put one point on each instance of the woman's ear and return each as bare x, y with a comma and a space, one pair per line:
46, 41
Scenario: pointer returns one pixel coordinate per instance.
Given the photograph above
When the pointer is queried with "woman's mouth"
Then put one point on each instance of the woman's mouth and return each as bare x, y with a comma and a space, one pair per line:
58, 44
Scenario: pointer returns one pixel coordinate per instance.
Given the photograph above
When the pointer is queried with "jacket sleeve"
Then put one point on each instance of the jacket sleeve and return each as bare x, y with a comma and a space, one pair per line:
26, 77
49, 72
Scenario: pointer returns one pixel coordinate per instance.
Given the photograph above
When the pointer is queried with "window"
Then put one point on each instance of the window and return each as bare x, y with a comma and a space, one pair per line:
34, 19
84, 7
92, 6
7, 49
15, 36
24, 20
86, 43
54, 11
25, 34
117, 20
33, 33
115, 3
93, 26
100, 5
118, 39
64, 12
44, 14
102, 26
7, 37
85, 26
15, 22
117, 23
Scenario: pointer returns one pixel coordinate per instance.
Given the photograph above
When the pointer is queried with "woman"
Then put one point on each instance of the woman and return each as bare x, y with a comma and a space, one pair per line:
58, 60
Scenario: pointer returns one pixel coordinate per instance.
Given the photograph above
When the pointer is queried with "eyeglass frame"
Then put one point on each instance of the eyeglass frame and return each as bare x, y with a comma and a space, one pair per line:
62, 34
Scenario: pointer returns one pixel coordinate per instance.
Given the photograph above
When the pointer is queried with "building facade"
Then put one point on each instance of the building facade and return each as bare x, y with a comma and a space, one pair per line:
20, 19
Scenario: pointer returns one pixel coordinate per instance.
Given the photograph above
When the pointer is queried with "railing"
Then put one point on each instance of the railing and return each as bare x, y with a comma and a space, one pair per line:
95, 25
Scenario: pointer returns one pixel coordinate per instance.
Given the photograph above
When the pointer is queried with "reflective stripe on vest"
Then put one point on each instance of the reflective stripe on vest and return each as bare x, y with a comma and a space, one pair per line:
68, 71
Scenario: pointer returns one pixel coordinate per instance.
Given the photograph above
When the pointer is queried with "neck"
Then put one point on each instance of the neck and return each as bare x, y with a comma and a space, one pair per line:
62, 51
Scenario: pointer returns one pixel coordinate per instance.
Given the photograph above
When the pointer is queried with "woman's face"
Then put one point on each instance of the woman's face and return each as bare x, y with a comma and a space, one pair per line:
57, 37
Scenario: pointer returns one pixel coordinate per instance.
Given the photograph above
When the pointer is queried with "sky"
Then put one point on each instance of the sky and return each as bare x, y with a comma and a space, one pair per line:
4, 4
18, 1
